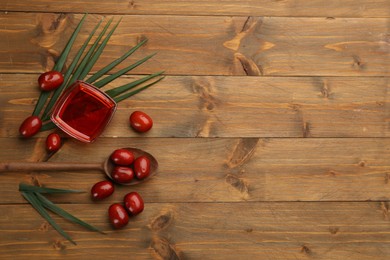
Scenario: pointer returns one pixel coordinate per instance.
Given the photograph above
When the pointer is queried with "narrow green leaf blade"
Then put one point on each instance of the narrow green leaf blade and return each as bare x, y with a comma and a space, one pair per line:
67, 75
48, 126
112, 77
32, 199
113, 64
61, 61
98, 52
86, 58
30, 188
61, 212
127, 95
41, 102
119, 90
58, 66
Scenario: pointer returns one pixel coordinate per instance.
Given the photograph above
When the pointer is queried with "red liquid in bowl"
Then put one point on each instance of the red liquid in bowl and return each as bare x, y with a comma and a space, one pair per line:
83, 111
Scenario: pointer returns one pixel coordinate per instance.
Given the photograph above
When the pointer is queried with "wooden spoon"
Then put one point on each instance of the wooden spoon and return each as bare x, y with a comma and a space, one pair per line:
107, 166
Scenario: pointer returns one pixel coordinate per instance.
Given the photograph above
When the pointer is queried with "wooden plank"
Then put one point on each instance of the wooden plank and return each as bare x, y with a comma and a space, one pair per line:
199, 106
333, 8
221, 169
218, 45
339, 230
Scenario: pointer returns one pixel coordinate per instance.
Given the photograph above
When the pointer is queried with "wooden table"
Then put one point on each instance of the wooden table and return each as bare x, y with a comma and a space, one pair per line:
271, 129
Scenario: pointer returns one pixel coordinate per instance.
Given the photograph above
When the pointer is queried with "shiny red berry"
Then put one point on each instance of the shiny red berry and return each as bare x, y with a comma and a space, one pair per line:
140, 121
50, 80
30, 126
122, 174
102, 190
141, 167
134, 203
118, 216
53, 142
122, 157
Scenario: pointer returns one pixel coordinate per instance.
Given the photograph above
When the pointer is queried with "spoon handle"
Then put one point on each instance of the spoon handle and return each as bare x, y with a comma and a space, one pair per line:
48, 166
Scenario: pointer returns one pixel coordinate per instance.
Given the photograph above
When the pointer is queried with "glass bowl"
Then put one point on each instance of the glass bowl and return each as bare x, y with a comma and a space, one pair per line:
83, 111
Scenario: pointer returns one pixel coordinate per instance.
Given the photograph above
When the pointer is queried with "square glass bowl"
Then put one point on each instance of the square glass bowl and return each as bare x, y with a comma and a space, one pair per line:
83, 111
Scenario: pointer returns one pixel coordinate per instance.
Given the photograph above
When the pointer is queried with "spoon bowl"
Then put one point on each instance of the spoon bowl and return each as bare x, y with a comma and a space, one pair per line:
108, 166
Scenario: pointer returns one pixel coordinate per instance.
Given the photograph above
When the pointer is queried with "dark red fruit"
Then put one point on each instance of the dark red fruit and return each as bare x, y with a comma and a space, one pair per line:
118, 215
30, 126
122, 174
53, 142
141, 167
122, 157
134, 203
140, 121
50, 80
102, 190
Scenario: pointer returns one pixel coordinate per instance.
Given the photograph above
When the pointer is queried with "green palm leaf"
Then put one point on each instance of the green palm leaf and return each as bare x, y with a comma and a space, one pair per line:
119, 90
86, 58
113, 64
110, 78
58, 91
34, 201
30, 188
97, 53
59, 211
58, 66
132, 93
82, 64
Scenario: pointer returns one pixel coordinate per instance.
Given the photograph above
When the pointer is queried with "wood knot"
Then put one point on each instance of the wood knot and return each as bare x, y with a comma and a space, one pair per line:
59, 245
132, 4
163, 249
44, 227
206, 92
239, 184
387, 178
334, 230
249, 230
306, 250
385, 210
306, 129
326, 91
249, 66
362, 164
49, 29
34, 180
295, 107
357, 62
242, 152
162, 221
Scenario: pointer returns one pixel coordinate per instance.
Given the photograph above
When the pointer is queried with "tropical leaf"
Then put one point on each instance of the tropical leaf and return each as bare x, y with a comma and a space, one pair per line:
59, 211
87, 57
119, 90
113, 64
110, 78
132, 93
33, 200
68, 73
98, 52
58, 66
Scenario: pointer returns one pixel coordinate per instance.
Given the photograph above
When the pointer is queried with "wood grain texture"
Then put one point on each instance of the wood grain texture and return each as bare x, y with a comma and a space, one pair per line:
224, 45
271, 130
315, 230
221, 169
291, 8
200, 106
